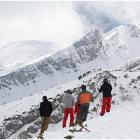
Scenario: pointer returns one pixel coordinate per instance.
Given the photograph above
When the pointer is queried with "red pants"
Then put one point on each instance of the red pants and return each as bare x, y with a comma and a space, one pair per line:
68, 111
106, 105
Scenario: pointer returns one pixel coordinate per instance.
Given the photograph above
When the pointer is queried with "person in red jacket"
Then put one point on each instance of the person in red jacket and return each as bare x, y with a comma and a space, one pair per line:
77, 112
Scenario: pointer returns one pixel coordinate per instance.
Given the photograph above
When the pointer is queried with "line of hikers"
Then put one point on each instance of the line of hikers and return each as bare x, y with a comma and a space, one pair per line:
79, 107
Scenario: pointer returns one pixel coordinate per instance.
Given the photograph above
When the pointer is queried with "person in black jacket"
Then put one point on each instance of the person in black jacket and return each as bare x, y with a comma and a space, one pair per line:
106, 88
45, 113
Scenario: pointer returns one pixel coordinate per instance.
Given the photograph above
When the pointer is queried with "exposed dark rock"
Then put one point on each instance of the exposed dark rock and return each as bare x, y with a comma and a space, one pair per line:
32, 129
24, 135
1, 134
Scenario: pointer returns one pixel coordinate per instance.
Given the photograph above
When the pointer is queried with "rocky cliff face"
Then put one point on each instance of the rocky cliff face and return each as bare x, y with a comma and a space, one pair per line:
82, 51
134, 30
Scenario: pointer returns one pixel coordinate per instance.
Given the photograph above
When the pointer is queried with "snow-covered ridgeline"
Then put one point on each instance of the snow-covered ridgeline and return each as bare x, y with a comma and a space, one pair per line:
20, 53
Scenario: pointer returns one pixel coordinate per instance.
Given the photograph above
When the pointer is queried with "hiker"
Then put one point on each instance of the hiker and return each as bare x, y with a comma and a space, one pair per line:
68, 102
106, 88
84, 99
45, 113
77, 112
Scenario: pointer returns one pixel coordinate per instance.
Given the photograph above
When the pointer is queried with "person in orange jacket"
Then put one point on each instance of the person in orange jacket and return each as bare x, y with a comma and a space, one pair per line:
84, 99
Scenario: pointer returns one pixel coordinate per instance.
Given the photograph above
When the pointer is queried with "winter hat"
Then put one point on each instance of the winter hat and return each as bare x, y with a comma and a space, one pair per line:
44, 98
68, 91
93, 83
105, 80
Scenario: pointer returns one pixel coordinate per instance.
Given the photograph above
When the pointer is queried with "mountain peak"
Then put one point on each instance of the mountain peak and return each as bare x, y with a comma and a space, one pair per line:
90, 38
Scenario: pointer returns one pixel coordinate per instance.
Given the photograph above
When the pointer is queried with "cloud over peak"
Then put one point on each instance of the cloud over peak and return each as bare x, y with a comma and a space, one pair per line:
62, 22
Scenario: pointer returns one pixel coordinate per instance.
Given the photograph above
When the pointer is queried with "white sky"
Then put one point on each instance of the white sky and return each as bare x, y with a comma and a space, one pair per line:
51, 21
56, 22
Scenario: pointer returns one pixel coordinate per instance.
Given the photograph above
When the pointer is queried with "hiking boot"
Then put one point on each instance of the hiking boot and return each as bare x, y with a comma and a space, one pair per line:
40, 137
75, 123
80, 122
102, 114
71, 125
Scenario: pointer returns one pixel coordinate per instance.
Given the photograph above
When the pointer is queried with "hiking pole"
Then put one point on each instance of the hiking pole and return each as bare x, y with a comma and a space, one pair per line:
100, 102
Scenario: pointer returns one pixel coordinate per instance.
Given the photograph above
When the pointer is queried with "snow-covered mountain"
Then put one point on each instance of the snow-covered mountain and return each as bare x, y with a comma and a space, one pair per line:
94, 50
53, 70
22, 89
20, 53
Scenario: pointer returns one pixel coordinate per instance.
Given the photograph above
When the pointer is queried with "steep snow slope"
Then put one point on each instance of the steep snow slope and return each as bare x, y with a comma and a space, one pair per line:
126, 93
19, 53
121, 123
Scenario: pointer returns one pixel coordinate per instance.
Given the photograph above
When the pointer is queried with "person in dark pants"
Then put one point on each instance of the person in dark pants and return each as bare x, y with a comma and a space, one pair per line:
45, 113
84, 99
106, 88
